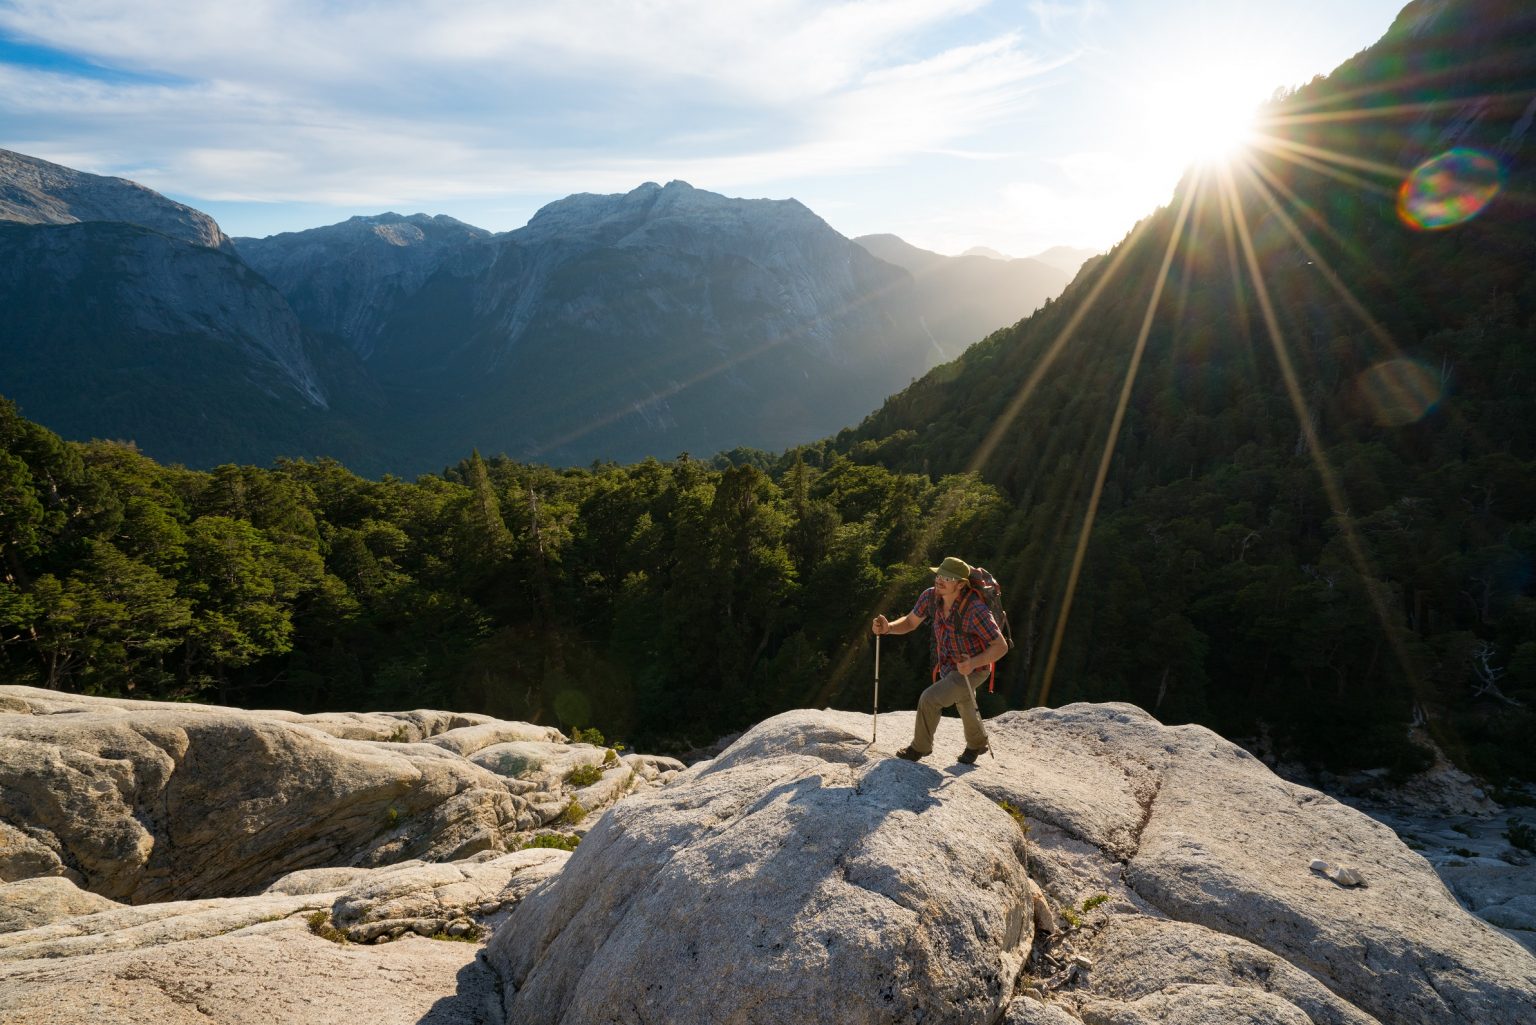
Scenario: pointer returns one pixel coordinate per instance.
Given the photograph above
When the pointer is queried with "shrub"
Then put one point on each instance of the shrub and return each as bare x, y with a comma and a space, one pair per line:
574, 813
1095, 901
1521, 835
584, 775
555, 841
592, 735
320, 925
1016, 813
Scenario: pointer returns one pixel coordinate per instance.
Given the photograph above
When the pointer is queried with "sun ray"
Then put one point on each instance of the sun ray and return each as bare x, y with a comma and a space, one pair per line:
1325, 472
1116, 422
1386, 111
1306, 209
1324, 168
1276, 143
999, 429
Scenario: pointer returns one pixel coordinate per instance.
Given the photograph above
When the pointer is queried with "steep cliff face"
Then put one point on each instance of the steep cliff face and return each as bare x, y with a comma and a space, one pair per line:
346, 279
663, 320
114, 330
34, 191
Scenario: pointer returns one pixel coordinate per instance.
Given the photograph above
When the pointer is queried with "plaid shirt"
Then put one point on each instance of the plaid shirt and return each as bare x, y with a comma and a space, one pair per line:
958, 637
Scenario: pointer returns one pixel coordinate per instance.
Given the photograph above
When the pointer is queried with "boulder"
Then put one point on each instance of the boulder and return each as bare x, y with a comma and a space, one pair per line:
29, 903
277, 958
237, 961
795, 878
431, 899
146, 801
802, 875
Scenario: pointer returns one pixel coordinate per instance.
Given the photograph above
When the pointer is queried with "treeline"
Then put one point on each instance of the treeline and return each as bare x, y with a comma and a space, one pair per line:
665, 603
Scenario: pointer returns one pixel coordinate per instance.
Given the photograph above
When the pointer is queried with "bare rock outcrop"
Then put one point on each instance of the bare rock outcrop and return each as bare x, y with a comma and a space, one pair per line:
144, 801
260, 960
803, 876
795, 878
34, 191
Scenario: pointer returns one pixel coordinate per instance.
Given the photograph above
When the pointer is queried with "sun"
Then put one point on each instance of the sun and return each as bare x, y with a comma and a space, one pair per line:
1197, 117
1205, 125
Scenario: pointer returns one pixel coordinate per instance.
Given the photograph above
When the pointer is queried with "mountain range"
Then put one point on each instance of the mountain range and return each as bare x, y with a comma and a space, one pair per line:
664, 320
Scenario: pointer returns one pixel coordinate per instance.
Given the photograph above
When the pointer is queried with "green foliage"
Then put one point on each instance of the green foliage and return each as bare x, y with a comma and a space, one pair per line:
584, 775
1017, 814
470, 935
592, 735
573, 813
1094, 901
1521, 835
557, 841
320, 925
1073, 918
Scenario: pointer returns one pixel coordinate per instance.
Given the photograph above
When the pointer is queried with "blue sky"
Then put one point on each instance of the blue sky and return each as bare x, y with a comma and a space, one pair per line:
952, 123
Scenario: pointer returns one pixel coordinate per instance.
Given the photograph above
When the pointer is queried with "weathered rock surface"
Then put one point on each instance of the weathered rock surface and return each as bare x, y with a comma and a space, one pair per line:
240, 960
346, 279
144, 801
795, 878
29, 903
802, 876
433, 899
35, 191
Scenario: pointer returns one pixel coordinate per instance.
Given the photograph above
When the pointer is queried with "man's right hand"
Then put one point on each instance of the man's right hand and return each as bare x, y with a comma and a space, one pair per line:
880, 625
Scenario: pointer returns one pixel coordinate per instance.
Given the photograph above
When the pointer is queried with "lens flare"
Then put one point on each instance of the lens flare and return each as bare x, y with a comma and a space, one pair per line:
573, 708
1398, 392
1448, 190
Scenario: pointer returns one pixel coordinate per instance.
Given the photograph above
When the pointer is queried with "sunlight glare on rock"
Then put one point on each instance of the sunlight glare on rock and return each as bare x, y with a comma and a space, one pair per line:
1398, 392
1449, 189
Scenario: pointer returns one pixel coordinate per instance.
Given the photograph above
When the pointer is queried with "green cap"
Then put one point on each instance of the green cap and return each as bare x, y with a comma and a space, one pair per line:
953, 568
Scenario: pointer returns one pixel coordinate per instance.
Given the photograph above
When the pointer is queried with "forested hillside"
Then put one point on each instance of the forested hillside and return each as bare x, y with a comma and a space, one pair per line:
1318, 510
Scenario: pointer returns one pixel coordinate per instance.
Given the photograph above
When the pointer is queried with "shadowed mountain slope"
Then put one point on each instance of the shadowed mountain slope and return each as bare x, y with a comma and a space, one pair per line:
965, 298
1317, 488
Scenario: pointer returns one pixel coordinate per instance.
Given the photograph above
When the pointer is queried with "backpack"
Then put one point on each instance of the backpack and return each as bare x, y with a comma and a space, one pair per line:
984, 586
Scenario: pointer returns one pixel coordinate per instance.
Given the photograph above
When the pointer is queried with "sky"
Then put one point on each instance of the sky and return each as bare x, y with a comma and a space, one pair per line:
1015, 125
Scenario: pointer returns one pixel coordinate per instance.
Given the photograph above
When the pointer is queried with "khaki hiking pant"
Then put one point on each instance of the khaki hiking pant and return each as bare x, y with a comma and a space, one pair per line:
951, 689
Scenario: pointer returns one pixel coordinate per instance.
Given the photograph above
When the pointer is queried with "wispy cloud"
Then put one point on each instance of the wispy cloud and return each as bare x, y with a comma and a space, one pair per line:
407, 101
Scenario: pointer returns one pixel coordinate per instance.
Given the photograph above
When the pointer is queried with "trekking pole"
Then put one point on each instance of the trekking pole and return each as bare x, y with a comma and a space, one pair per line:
875, 730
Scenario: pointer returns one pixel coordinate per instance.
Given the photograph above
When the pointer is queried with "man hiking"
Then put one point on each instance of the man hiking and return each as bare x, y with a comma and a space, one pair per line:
967, 641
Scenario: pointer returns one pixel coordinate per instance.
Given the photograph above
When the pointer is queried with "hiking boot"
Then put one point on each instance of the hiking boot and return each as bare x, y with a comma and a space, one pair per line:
970, 754
909, 754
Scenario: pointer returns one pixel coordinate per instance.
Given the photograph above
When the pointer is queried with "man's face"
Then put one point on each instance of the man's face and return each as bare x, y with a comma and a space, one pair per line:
947, 587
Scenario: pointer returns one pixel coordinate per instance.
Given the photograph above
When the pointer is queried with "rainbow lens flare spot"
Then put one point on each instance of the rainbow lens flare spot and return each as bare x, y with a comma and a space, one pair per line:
1398, 392
1448, 190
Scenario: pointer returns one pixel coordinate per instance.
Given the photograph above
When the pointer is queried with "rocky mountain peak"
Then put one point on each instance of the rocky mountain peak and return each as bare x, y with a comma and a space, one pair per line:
35, 191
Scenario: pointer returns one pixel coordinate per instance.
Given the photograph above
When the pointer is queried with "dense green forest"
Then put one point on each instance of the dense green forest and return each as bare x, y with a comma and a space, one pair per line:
1269, 466
663, 602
